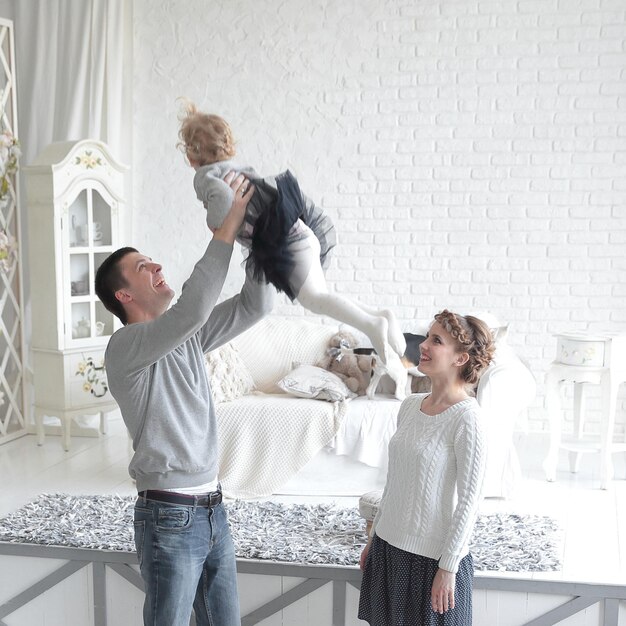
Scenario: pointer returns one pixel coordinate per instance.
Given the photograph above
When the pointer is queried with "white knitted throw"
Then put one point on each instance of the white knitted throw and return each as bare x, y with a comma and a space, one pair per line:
264, 441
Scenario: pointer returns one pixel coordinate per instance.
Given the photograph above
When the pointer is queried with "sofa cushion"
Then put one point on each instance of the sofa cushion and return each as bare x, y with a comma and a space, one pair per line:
270, 348
309, 381
228, 375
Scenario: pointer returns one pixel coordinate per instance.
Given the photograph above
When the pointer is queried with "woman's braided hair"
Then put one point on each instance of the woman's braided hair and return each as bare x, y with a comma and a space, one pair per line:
472, 336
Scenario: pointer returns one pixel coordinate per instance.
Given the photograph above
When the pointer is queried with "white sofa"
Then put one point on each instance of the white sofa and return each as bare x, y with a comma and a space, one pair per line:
271, 442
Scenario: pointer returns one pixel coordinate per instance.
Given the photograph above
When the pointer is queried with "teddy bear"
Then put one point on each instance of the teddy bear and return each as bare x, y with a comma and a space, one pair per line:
354, 370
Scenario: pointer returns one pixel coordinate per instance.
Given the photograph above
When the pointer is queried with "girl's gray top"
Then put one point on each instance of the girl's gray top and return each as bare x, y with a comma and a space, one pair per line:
156, 373
217, 197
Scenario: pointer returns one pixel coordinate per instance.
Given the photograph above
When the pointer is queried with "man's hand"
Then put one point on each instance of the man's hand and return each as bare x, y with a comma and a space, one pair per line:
233, 221
442, 595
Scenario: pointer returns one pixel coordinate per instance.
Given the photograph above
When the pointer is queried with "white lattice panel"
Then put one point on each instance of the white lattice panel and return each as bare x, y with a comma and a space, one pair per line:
12, 390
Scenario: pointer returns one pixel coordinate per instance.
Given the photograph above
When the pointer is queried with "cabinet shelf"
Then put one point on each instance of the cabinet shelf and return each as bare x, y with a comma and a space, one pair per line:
88, 249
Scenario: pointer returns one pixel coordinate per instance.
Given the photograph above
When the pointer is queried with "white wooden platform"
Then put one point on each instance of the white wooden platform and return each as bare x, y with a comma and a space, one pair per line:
60, 586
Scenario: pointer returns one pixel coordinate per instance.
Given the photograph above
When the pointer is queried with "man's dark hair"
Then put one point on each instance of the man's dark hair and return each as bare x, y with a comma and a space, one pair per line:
109, 279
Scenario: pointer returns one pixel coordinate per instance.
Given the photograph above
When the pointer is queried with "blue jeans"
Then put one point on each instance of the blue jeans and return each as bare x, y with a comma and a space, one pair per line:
187, 557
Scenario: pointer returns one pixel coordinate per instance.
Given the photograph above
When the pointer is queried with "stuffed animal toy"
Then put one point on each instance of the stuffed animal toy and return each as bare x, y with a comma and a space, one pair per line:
354, 370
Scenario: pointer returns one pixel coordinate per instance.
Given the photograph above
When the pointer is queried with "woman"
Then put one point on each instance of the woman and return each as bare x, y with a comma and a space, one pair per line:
417, 566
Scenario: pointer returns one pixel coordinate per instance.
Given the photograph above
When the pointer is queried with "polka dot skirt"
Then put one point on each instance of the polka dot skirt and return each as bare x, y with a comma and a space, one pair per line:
396, 589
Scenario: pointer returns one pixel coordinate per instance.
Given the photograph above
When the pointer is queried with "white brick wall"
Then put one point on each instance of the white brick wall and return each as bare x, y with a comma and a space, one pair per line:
472, 154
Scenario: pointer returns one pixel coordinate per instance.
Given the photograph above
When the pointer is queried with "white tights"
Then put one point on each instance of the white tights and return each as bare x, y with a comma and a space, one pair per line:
380, 326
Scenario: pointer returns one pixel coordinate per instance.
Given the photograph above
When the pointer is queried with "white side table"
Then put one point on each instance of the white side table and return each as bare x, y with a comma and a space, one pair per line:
584, 359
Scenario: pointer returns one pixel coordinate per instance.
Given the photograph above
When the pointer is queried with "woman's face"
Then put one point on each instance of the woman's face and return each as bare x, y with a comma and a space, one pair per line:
439, 352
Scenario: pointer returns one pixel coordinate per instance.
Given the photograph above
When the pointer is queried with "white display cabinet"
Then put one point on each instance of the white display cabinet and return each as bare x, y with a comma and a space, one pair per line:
75, 194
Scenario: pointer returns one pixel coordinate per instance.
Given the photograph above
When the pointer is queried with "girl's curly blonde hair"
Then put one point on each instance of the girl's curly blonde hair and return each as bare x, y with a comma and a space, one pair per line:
204, 138
472, 336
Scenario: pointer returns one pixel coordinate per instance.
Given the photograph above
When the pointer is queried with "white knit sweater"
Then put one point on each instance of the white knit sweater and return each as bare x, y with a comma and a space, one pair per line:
436, 470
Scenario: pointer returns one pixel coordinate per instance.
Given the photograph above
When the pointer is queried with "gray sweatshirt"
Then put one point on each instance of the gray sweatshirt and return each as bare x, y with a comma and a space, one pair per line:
157, 375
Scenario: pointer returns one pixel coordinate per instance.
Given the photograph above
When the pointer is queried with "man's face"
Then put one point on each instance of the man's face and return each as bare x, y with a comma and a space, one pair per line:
146, 292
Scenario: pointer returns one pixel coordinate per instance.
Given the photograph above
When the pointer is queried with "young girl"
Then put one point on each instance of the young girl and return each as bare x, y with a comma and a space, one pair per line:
287, 236
417, 566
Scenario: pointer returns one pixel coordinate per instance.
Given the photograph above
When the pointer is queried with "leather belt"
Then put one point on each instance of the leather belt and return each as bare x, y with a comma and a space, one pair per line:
209, 500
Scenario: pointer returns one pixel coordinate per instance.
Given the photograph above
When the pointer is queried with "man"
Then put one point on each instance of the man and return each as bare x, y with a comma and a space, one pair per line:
156, 372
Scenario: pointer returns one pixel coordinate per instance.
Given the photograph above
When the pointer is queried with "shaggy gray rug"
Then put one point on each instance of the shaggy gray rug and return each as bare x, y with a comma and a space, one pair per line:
320, 534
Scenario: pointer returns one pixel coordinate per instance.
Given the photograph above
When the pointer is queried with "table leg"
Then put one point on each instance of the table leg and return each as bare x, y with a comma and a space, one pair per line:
579, 423
553, 407
609, 388
103, 423
66, 430
40, 432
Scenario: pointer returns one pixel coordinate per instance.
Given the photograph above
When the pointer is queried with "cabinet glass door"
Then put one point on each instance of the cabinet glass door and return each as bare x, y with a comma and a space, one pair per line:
104, 320
101, 225
90, 239
78, 218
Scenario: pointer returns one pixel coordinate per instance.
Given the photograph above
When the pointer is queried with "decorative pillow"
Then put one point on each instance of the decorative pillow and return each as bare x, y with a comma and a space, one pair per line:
309, 381
228, 375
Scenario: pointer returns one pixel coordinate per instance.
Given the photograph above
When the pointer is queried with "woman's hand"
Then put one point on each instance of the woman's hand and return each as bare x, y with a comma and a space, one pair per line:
442, 594
364, 554
232, 222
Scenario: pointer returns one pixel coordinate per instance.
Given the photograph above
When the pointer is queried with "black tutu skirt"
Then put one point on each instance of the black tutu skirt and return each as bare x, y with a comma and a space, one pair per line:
396, 589
271, 257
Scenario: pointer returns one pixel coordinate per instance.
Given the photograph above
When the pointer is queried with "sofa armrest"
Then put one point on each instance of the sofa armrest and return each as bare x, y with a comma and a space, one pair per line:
504, 392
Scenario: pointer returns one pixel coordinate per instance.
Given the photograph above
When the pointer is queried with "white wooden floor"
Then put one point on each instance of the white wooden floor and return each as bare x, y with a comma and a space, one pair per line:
593, 521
